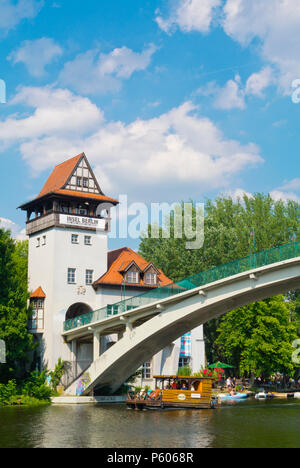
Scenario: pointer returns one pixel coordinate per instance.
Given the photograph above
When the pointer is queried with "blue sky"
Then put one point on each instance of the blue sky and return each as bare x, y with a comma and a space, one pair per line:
169, 100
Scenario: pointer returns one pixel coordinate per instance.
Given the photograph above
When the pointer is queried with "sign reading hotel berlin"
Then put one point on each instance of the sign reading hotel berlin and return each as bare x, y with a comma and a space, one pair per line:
80, 221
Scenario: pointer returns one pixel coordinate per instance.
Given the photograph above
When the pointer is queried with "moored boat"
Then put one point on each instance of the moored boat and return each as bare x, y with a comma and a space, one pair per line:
263, 395
283, 395
236, 396
175, 392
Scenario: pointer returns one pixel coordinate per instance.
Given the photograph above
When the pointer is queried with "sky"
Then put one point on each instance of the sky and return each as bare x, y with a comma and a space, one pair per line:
170, 100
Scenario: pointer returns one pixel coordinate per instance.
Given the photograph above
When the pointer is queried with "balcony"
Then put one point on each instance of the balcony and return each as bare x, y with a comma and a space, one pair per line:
62, 219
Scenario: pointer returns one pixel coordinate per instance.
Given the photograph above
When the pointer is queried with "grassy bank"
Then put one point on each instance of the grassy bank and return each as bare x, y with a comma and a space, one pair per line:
32, 392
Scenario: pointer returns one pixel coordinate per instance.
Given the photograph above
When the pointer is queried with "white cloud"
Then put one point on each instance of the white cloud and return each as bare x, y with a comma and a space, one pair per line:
234, 93
289, 190
238, 194
231, 96
189, 15
259, 81
13, 12
16, 231
276, 25
35, 55
176, 150
293, 184
92, 72
284, 196
50, 118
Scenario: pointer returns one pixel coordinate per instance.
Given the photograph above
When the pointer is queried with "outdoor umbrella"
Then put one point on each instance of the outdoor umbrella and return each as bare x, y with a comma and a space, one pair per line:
221, 365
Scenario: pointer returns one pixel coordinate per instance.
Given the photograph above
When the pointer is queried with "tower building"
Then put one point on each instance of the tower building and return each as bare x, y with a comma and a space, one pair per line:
67, 224
71, 272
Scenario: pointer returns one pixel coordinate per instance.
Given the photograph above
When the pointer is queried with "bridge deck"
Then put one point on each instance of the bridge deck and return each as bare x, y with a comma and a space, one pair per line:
132, 307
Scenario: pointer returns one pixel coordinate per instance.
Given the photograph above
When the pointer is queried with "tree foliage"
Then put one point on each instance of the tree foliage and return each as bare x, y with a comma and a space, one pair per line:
228, 223
257, 339
13, 307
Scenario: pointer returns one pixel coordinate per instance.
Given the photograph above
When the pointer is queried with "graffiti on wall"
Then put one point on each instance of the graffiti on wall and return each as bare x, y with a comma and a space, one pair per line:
82, 383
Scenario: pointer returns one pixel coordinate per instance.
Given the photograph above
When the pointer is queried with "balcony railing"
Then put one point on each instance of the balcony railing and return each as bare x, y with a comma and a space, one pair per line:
257, 260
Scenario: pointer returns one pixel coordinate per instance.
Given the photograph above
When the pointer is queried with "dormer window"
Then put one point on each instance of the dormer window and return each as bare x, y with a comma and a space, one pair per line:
132, 277
150, 278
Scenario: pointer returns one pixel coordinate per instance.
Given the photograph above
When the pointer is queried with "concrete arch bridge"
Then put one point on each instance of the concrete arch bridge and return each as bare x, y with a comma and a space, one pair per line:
147, 323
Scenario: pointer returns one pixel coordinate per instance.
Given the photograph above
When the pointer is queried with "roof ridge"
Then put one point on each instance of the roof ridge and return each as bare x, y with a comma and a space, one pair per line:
68, 160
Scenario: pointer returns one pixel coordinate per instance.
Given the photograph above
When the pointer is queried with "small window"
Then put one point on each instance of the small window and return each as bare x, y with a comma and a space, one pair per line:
78, 181
36, 321
112, 310
132, 277
87, 240
89, 276
85, 182
33, 322
38, 242
66, 209
150, 278
44, 240
81, 210
184, 361
71, 275
147, 370
75, 239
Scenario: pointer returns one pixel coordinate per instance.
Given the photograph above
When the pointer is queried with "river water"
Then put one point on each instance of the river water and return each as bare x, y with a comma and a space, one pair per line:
252, 423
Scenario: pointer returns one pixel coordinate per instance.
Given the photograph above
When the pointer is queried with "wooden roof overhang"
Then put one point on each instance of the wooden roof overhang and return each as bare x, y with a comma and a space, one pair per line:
68, 195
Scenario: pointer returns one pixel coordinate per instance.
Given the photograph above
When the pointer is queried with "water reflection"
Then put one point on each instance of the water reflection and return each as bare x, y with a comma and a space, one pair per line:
247, 424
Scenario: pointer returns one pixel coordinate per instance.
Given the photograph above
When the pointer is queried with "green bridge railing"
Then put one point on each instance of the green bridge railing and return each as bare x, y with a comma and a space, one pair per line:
259, 259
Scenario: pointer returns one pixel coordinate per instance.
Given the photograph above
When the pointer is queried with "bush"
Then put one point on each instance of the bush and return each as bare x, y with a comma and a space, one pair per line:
7, 392
184, 371
56, 375
36, 386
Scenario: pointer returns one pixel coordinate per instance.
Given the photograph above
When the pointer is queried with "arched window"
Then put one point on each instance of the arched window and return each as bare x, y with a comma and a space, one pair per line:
77, 309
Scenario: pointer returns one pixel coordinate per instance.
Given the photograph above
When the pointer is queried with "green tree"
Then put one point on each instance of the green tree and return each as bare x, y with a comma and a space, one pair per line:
227, 229
14, 313
257, 339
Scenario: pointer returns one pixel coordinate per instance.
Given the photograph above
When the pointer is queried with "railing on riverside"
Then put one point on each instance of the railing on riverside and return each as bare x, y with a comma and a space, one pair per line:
259, 259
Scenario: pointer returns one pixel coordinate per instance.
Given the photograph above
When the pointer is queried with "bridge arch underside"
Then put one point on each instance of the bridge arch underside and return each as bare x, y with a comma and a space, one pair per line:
136, 347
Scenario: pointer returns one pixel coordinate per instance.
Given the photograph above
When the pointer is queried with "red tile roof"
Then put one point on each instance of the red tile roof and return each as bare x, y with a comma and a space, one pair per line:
38, 293
118, 260
60, 175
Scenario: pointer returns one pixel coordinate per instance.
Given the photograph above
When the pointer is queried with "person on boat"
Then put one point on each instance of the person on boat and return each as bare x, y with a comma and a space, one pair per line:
229, 383
184, 386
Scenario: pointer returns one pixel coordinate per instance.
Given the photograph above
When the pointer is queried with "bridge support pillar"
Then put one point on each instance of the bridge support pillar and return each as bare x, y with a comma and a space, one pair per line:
96, 345
128, 324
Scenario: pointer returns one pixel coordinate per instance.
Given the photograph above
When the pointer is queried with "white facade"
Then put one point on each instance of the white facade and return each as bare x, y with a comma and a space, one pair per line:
51, 253
68, 251
49, 261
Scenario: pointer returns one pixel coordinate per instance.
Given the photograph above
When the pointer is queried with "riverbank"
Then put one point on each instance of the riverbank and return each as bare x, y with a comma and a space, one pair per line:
24, 400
